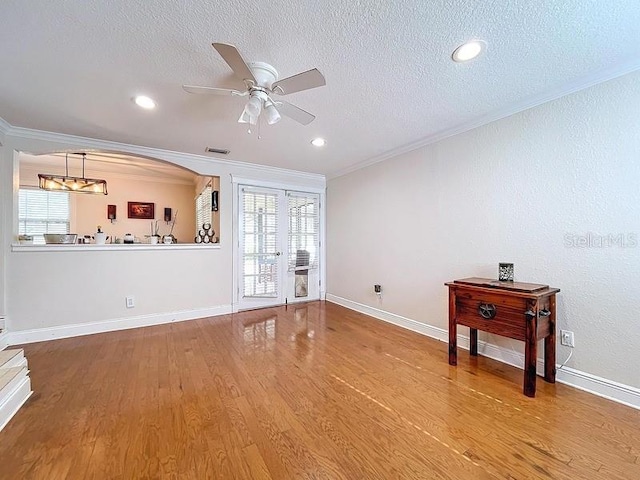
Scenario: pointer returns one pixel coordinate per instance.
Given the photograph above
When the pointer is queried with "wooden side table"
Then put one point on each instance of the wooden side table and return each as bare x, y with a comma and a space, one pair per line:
522, 311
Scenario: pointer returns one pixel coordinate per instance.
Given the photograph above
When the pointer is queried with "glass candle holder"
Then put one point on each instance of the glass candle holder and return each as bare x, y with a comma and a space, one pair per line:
505, 272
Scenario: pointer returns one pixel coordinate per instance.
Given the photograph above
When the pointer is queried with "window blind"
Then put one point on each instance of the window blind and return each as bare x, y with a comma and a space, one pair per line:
203, 208
304, 229
260, 243
41, 211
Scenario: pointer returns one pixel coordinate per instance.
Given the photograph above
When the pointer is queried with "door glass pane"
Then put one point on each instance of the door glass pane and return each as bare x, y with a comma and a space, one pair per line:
260, 244
304, 230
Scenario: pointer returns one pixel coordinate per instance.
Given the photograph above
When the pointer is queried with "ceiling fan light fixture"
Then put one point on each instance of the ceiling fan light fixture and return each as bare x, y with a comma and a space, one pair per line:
246, 118
271, 112
468, 51
254, 106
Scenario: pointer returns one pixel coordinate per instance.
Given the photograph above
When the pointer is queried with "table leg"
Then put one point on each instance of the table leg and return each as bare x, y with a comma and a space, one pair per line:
530, 353
473, 341
453, 331
550, 344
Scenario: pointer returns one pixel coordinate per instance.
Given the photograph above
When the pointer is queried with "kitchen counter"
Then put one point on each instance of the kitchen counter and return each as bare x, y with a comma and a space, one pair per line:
112, 247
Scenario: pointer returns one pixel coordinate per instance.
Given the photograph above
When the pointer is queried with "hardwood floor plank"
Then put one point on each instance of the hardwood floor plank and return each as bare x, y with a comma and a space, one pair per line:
258, 469
305, 391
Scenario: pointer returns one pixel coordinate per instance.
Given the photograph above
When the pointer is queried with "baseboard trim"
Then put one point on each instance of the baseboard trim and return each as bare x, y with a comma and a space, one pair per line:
4, 340
14, 400
602, 387
17, 359
90, 328
404, 322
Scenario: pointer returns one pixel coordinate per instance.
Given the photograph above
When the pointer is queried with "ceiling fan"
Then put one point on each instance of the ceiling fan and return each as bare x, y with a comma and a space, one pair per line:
261, 82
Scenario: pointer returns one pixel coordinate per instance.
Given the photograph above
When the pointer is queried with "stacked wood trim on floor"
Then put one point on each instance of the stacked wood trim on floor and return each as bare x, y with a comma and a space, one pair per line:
15, 386
309, 391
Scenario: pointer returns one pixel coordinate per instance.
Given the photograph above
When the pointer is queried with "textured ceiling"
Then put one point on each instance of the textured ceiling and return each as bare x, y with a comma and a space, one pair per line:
72, 66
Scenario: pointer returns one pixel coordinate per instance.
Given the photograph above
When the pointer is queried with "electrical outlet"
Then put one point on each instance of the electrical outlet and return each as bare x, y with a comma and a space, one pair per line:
130, 301
566, 338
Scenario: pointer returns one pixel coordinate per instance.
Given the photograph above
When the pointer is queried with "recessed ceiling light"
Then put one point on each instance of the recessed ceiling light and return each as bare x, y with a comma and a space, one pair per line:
318, 142
468, 51
145, 102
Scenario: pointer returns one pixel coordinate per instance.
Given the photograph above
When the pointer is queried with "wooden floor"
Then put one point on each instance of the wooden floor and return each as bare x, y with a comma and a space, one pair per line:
315, 391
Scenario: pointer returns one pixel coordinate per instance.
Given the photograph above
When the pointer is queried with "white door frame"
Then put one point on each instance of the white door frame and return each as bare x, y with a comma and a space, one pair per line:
236, 182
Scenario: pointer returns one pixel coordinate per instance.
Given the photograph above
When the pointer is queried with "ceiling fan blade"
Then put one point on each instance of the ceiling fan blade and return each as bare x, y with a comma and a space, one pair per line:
212, 90
231, 55
302, 81
295, 113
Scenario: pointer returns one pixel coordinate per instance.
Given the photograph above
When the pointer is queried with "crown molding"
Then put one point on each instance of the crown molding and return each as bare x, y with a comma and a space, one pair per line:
526, 104
156, 153
4, 127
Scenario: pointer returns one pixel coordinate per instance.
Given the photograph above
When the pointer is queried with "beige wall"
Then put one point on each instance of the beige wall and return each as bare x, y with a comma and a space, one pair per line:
516, 190
89, 211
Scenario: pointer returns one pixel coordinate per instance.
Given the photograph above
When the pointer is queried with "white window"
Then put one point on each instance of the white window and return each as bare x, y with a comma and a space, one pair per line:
41, 211
203, 208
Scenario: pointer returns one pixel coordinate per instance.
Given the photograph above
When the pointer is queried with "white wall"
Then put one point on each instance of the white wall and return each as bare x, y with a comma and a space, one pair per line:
57, 289
51, 289
510, 191
4, 194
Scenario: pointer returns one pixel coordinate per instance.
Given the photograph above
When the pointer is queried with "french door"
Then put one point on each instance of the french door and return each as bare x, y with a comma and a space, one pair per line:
278, 247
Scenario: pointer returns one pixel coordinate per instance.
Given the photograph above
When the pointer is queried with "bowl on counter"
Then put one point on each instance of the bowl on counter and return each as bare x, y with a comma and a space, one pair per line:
60, 238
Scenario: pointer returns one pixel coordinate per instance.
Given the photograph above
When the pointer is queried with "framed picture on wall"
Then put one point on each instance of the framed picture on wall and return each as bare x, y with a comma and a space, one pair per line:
143, 210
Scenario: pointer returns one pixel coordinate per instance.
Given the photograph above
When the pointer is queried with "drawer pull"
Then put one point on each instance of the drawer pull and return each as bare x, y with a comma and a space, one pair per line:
541, 313
487, 310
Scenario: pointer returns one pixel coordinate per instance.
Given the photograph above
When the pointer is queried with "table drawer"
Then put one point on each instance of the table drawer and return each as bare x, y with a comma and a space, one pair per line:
509, 319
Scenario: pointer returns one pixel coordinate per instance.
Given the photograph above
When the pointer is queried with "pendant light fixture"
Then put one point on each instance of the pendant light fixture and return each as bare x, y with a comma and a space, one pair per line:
72, 184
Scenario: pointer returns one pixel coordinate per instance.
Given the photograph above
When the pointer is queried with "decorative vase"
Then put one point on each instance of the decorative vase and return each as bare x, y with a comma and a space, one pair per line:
100, 238
153, 239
